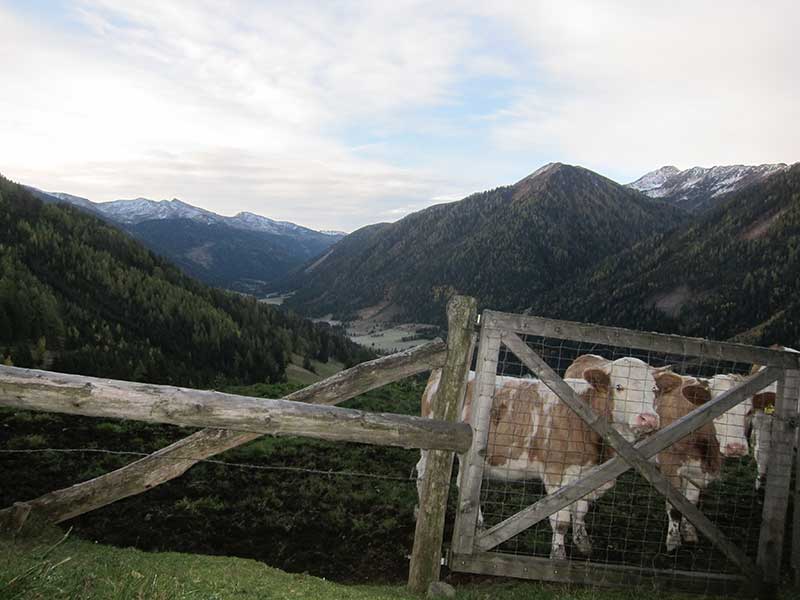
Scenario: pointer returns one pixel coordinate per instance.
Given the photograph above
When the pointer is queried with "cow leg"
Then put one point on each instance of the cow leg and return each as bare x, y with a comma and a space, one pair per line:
673, 529
688, 532
762, 434
559, 522
579, 534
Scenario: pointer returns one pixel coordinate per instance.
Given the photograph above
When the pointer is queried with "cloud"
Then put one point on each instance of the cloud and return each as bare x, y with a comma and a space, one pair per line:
230, 107
335, 115
628, 86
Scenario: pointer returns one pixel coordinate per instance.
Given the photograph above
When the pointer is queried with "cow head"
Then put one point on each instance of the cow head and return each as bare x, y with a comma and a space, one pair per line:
732, 427
633, 388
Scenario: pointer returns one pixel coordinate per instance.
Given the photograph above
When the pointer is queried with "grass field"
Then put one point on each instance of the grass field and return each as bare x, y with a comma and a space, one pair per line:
49, 567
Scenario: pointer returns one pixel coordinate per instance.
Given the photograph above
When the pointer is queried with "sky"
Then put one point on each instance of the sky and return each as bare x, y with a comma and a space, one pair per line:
337, 114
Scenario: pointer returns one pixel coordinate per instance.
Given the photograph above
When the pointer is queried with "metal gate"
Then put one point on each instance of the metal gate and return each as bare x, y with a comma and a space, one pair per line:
741, 530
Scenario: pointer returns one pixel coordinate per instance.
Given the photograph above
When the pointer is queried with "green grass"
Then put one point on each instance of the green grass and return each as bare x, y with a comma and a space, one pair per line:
49, 567
295, 373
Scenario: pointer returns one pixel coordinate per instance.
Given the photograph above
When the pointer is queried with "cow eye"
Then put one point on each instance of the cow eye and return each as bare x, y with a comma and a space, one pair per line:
619, 387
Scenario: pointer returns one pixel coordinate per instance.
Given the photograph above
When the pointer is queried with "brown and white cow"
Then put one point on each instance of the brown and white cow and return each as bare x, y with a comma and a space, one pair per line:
534, 435
692, 463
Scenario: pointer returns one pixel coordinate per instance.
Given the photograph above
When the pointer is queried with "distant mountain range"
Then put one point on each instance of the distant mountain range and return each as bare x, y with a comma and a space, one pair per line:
505, 246
705, 251
708, 252
699, 189
245, 252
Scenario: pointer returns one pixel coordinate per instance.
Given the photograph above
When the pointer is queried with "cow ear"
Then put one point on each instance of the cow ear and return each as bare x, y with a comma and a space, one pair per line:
764, 400
667, 380
598, 378
696, 394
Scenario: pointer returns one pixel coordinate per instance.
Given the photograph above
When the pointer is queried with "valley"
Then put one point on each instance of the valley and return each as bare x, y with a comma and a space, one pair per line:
399, 300
563, 242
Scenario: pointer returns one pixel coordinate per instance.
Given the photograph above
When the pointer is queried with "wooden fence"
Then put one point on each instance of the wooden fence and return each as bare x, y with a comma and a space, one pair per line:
234, 420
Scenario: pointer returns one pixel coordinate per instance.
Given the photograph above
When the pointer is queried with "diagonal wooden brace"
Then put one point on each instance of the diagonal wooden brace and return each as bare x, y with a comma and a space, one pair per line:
627, 452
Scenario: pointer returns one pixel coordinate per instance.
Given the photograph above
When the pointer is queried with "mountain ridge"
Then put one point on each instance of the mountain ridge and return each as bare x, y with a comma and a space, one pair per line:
246, 252
509, 241
731, 273
698, 189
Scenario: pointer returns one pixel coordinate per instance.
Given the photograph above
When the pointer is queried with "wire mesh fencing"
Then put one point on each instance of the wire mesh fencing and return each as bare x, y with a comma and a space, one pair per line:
536, 445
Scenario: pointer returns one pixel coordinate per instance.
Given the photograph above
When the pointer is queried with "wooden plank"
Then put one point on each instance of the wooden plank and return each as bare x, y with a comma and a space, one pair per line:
631, 455
426, 555
174, 460
777, 491
796, 510
31, 389
597, 574
656, 342
471, 468
796, 507
616, 466
373, 374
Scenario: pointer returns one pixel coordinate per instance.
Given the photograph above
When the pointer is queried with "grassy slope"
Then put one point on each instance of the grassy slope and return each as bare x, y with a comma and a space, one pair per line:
93, 571
295, 373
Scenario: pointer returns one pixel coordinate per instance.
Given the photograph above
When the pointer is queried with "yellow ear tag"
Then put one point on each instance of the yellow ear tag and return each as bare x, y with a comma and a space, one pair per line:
768, 410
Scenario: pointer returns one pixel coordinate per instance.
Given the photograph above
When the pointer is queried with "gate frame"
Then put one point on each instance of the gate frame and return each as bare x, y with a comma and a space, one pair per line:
470, 549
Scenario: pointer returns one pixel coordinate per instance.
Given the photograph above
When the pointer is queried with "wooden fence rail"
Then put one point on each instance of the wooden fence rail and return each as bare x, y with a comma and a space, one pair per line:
30, 389
174, 460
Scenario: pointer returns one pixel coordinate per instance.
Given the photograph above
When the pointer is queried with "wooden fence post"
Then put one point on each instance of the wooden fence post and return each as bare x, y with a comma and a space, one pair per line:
427, 553
778, 490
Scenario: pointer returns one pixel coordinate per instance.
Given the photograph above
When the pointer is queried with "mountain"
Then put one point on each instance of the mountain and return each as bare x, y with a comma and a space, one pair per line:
505, 246
81, 296
244, 260
698, 189
245, 252
733, 272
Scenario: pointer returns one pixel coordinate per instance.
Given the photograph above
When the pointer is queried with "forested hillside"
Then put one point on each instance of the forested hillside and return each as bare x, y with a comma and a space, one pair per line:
734, 272
505, 246
78, 295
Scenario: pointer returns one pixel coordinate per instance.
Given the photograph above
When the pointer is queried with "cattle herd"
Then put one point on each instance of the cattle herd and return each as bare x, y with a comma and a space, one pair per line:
534, 435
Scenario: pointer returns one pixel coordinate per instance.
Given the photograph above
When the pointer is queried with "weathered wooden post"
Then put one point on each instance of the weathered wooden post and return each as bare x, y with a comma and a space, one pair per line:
796, 525
778, 490
427, 553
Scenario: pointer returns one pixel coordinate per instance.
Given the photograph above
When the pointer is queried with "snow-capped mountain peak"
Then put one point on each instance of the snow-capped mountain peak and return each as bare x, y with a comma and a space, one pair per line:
142, 209
696, 188
654, 180
138, 210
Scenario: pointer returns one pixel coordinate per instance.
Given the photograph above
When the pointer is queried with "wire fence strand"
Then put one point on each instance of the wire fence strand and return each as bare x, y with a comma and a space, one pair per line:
224, 463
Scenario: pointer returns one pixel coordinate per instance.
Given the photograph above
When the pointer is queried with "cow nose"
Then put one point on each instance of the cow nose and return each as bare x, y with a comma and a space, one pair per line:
735, 449
646, 422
